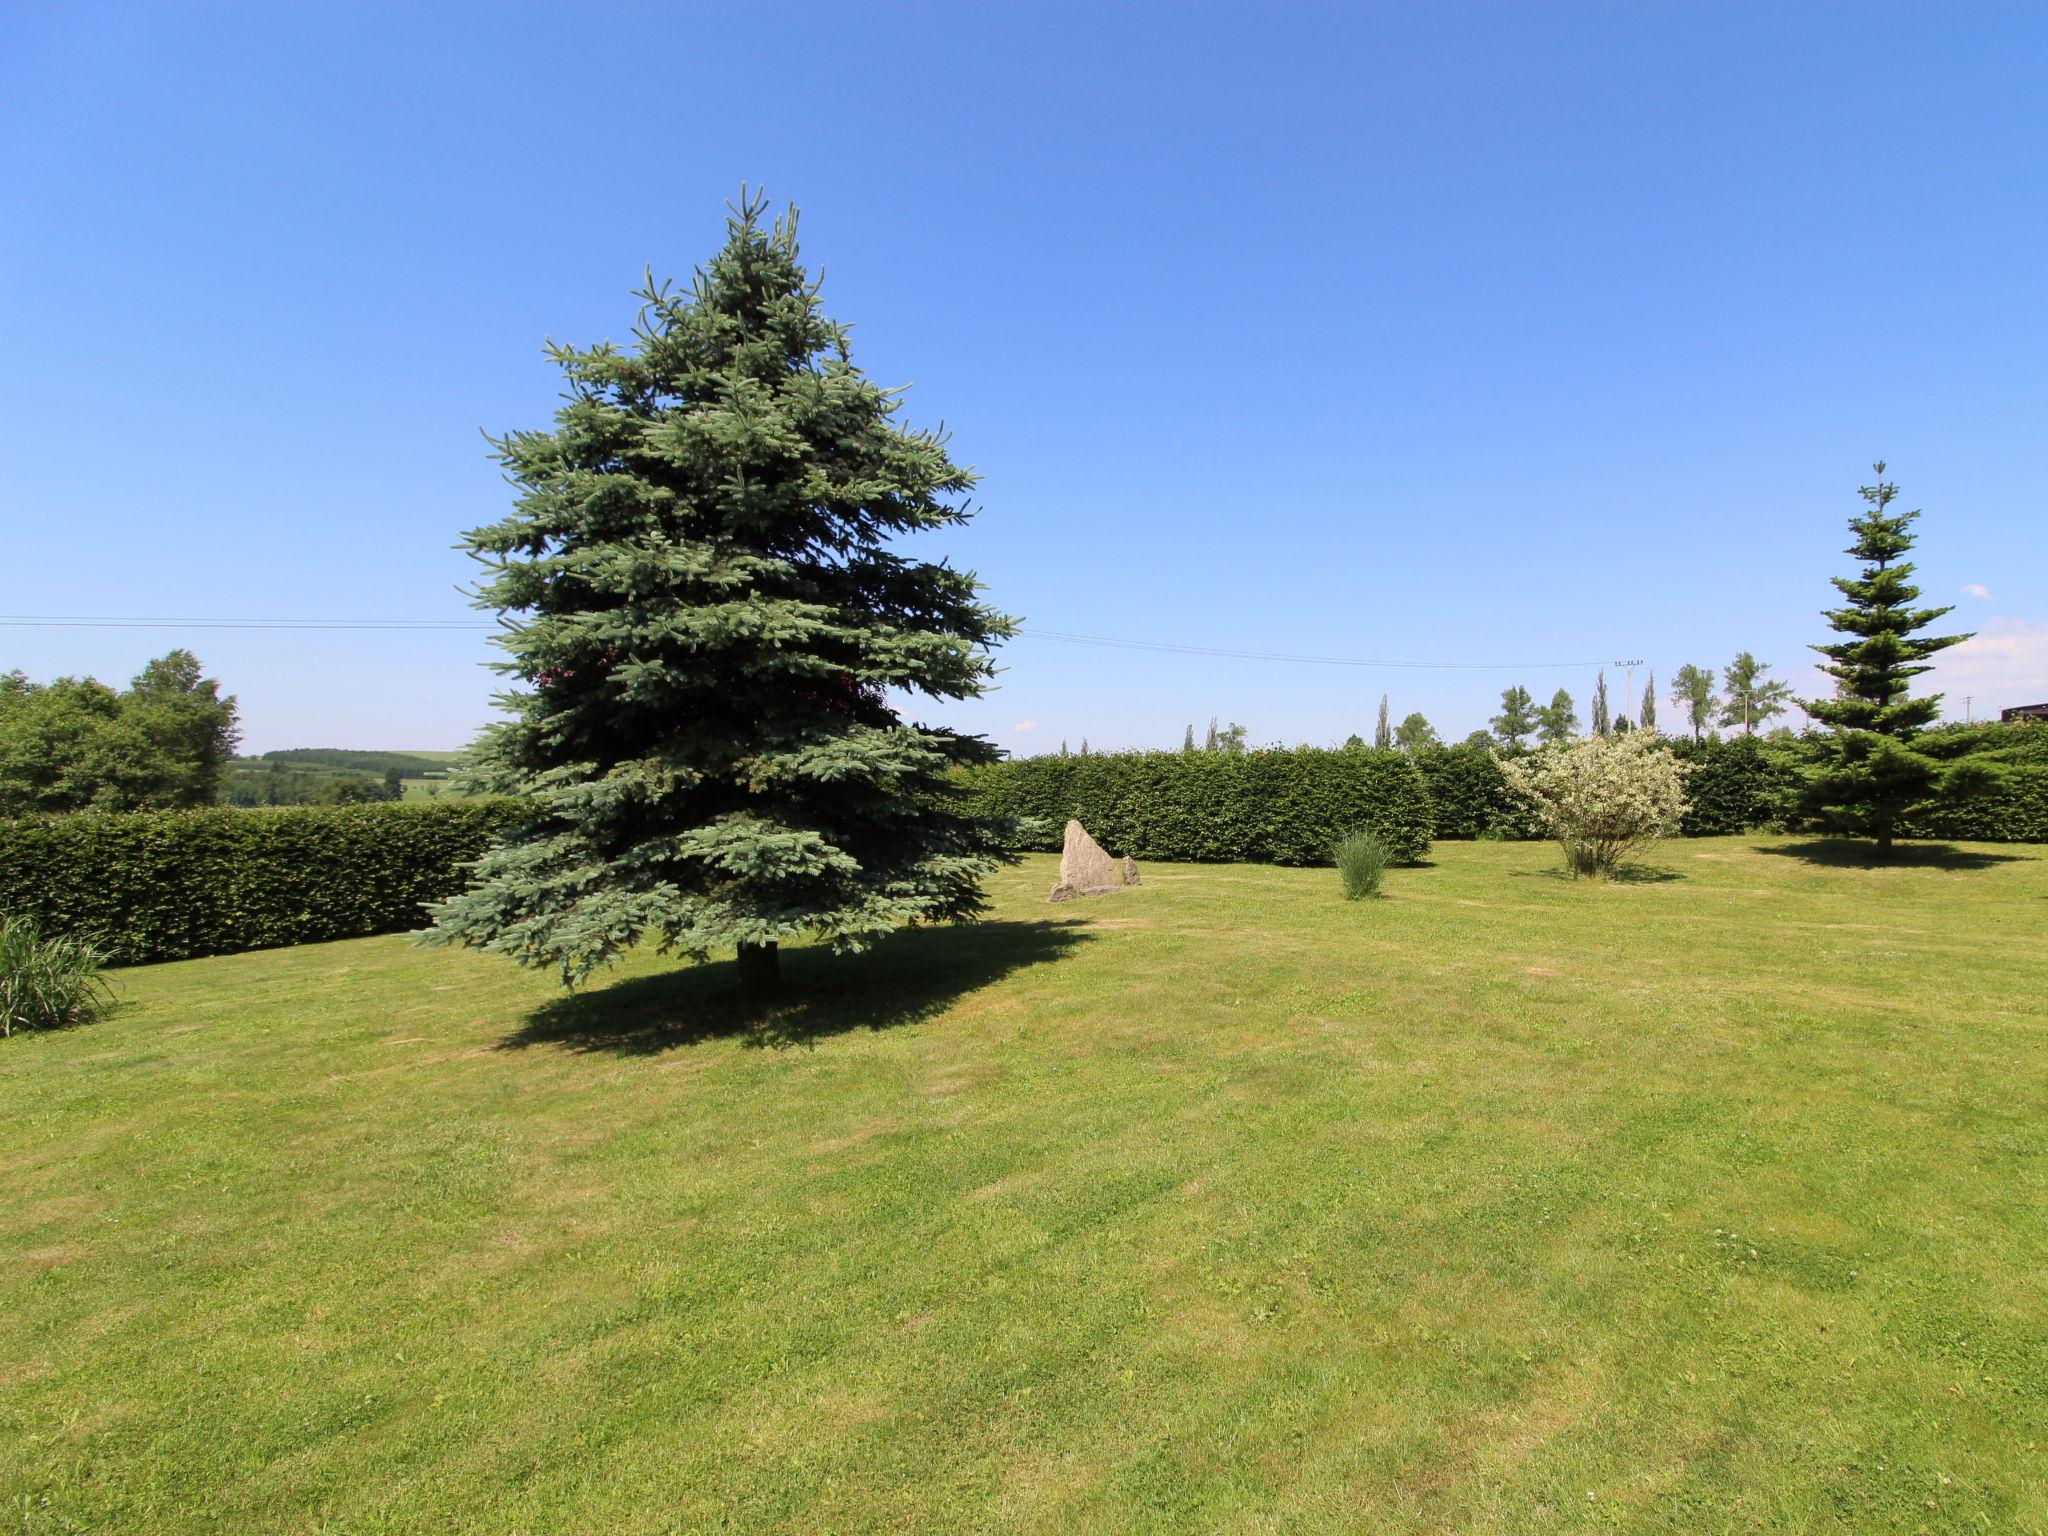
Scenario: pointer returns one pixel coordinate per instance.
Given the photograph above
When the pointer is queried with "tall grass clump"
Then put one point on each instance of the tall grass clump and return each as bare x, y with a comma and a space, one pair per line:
1362, 861
47, 983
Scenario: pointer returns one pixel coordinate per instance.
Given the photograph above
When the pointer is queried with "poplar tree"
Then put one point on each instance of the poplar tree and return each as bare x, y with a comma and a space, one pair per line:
1383, 733
1646, 712
1871, 778
1600, 722
705, 614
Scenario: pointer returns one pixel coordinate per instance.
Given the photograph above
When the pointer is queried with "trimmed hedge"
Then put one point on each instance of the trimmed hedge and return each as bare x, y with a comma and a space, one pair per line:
1470, 796
1282, 806
167, 885
1737, 785
2015, 812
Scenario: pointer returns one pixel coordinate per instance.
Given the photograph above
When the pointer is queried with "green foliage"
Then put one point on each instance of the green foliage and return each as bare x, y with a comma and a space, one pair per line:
1604, 798
1873, 778
276, 779
1751, 698
1518, 718
409, 765
1738, 785
1231, 739
1273, 806
1416, 734
1469, 796
709, 614
1646, 710
1750, 782
1558, 721
165, 885
47, 983
76, 744
1600, 719
1382, 731
1362, 861
2013, 809
1692, 690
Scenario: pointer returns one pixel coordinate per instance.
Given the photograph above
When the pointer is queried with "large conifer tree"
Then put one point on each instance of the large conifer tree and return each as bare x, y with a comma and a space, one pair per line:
1871, 777
704, 616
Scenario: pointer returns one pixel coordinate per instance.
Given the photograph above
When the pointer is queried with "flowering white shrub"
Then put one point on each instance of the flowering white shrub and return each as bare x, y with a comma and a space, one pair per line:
1602, 797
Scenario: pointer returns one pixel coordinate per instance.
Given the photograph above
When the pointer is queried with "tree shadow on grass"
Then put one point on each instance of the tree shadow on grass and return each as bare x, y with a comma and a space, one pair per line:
913, 974
1628, 874
1850, 853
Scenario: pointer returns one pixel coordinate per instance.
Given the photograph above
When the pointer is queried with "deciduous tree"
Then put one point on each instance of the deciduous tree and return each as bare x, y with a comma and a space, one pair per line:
1692, 690
1517, 719
1750, 697
1415, 733
1558, 721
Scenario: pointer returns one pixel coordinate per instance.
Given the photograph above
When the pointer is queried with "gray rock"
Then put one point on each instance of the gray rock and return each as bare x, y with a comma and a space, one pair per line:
1086, 870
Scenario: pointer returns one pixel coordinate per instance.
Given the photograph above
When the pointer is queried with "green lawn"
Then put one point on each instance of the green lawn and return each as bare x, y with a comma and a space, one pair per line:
1711, 1202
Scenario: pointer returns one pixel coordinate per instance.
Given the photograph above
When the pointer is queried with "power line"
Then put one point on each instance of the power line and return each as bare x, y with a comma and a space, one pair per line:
1319, 661
23, 621
90, 621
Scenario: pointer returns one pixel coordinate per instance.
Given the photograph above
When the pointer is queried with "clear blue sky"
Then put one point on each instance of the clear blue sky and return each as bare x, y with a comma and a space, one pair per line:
1497, 334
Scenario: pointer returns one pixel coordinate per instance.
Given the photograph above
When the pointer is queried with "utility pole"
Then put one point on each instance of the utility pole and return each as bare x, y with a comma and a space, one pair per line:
1628, 697
1968, 717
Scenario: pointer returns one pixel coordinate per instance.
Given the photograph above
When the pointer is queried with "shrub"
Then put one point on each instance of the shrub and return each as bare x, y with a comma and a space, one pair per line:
1362, 861
2013, 810
165, 885
47, 983
1470, 797
1278, 806
1739, 784
1603, 797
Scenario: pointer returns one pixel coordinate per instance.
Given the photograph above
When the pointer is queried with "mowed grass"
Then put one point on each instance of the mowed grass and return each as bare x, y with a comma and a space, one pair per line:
1710, 1202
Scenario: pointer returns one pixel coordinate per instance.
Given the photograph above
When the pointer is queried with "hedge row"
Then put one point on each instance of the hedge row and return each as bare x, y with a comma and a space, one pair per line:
2015, 812
1269, 807
1469, 795
167, 885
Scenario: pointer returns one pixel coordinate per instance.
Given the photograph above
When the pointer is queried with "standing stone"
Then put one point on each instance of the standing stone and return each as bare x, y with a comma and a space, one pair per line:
1086, 870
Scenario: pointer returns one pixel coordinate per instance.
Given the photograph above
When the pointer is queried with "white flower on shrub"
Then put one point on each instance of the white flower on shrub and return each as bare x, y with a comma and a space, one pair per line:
1602, 797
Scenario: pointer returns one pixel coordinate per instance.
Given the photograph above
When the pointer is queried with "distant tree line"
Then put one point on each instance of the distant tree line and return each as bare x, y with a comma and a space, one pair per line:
77, 744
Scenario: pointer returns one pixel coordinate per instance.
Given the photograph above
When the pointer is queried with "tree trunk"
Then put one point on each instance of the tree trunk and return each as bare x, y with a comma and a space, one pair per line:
760, 967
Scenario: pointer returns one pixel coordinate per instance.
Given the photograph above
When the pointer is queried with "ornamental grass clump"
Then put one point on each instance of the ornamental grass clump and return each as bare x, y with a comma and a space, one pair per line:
47, 983
1362, 861
1604, 798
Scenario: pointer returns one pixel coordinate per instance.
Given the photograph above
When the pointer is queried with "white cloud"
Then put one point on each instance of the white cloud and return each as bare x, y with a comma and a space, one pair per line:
2003, 664
1976, 589
1025, 725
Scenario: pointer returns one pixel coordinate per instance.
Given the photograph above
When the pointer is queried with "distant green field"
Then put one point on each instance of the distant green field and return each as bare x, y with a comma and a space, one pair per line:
254, 780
